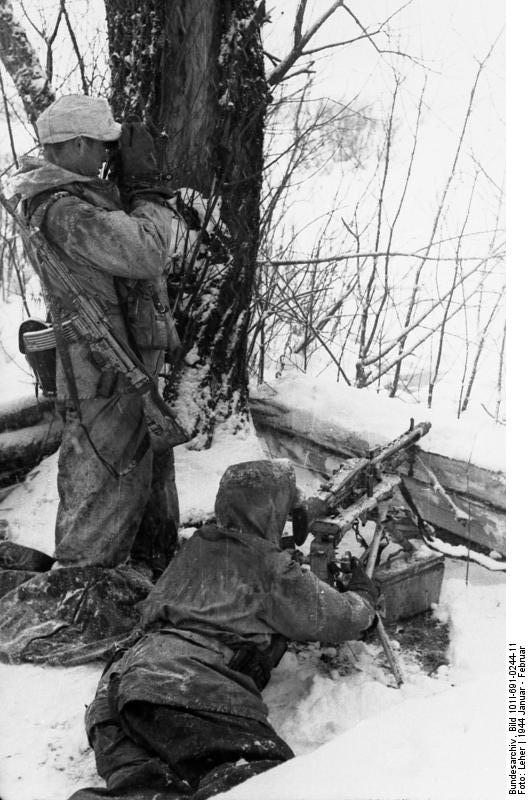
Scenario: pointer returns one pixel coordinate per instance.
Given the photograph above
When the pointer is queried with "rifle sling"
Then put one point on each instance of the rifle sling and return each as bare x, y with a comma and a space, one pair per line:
65, 357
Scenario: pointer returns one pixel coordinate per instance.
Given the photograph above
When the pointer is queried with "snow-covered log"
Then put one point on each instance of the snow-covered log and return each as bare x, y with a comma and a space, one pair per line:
22, 449
29, 431
24, 412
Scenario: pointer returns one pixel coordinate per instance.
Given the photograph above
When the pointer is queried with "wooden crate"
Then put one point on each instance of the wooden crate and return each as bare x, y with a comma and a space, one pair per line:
410, 584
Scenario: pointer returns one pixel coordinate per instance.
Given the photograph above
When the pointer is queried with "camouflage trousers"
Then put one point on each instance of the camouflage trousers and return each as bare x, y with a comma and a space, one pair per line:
153, 752
100, 514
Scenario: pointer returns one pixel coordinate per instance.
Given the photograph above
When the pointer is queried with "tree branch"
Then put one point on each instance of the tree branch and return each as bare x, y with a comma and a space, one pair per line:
373, 254
300, 41
73, 38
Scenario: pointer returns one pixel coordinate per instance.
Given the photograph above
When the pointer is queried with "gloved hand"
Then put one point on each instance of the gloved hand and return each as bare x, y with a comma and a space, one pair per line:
357, 580
303, 514
137, 169
137, 151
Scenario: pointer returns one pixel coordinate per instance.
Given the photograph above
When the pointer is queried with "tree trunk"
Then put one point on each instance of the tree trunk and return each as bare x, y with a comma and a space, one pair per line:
22, 64
194, 69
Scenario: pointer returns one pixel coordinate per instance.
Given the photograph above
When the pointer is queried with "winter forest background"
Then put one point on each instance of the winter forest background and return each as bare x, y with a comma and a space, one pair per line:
380, 243
352, 184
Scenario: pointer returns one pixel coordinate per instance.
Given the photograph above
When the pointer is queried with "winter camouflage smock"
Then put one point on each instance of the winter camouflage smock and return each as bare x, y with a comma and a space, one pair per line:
229, 585
118, 258
99, 242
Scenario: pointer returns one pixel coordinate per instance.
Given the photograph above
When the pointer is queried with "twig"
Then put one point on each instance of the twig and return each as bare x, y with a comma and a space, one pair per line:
381, 50
403, 354
8, 120
479, 351
73, 38
402, 336
300, 41
371, 254
434, 376
395, 220
499, 376
461, 515
440, 209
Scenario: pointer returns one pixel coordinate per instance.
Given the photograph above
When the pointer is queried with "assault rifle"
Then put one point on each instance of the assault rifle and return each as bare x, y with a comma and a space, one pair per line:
88, 319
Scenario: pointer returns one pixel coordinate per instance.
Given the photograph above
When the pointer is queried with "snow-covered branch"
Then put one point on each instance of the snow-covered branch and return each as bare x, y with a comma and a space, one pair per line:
22, 64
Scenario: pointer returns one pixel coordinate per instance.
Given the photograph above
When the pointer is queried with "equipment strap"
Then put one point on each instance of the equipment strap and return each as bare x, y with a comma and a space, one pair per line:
65, 356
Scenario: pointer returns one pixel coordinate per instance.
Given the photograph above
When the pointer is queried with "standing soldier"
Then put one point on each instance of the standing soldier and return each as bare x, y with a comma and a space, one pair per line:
116, 241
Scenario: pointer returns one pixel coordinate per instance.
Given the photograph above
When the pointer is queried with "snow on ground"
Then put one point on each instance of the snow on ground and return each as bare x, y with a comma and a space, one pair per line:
17, 378
474, 438
432, 739
43, 746
31, 507
357, 738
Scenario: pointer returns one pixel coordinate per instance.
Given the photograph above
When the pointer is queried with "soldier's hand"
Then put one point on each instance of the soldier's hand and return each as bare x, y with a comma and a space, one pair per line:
357, 580
137, 151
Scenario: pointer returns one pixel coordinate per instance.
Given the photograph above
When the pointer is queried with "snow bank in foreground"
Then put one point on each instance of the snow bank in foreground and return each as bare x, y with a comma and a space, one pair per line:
431, 748
43, 746
356, 737
437, 738
474, 438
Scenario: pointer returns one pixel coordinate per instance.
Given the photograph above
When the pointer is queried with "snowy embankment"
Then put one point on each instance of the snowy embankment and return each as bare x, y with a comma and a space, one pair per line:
357, 738
457, 482
373, 418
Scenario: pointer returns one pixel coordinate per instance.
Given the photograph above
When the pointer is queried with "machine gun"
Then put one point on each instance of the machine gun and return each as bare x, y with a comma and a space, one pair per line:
86, 320
353, 494
358, 491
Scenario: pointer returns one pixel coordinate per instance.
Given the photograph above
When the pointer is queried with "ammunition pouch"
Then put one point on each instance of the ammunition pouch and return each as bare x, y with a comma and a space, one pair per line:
149, 317
36, 340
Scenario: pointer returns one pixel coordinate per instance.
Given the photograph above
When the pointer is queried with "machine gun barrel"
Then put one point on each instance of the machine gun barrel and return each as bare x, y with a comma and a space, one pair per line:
354, 474
404, 441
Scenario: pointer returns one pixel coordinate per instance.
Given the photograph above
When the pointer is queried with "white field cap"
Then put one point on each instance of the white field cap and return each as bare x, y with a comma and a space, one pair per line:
77, 115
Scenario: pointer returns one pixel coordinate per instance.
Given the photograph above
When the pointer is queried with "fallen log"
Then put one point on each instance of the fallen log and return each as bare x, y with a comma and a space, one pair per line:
24, 412
23, 449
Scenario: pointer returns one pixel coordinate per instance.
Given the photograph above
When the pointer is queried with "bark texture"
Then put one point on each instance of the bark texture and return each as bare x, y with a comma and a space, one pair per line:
194, 69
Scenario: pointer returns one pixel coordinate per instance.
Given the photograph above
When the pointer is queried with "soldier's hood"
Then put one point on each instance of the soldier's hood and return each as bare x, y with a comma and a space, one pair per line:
256, 497
37, 175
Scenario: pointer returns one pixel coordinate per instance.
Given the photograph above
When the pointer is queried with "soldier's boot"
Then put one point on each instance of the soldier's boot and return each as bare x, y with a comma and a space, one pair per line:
224, 777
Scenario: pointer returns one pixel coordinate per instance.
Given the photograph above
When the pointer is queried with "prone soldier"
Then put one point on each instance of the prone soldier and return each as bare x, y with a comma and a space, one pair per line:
180, 714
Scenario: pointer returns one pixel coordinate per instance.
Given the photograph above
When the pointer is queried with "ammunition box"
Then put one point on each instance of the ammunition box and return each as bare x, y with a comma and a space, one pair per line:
410, 584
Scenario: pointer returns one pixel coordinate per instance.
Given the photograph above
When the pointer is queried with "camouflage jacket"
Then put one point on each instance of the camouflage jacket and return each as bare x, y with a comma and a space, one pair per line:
117, 257
227, 588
